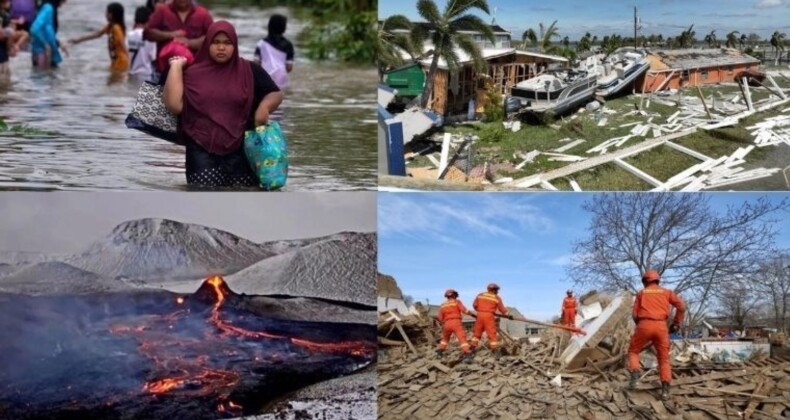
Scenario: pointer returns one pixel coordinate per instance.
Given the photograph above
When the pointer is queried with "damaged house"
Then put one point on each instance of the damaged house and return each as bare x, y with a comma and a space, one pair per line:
505, 68
515, 329
674, 69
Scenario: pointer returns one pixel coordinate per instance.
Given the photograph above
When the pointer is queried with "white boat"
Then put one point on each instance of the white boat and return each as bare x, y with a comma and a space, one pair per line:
557, 91
620, 70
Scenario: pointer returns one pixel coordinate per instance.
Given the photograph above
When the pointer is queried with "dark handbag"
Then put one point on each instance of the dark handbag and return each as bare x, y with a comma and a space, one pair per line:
150, 116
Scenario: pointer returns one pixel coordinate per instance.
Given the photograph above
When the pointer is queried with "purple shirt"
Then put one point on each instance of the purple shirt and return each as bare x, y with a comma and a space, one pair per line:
24, 8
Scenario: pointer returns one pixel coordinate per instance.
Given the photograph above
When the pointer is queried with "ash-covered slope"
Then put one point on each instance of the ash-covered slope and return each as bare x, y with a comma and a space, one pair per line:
23, 257
340, 267
161, 248
52, 278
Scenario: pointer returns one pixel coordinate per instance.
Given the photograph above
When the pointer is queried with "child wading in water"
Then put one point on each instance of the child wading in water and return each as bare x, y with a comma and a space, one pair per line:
116, 37
143, 52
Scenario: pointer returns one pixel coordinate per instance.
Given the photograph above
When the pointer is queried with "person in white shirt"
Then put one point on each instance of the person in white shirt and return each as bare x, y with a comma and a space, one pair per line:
142, 53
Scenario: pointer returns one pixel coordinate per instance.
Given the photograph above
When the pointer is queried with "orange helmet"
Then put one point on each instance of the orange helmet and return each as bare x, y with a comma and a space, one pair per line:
493, 286
651, 276
450, 293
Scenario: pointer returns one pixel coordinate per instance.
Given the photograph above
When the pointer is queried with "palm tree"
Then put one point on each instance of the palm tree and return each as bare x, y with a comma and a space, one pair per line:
710, 39
686, 38
544, 39
732, 39
742, 40
529, 38
390, 45
594, 39
611, 44
777, 44
447, 35
584, 43
566, 42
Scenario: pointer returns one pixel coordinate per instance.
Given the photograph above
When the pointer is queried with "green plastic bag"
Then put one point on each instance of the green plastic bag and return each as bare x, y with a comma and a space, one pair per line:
267, 152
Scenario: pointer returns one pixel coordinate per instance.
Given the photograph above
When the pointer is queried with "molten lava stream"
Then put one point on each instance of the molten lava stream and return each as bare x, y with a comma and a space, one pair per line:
356, 348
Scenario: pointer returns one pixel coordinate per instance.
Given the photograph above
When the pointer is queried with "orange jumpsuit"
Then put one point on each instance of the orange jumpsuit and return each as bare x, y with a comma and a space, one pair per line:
450, 314
486, 304
569, 311
651, 311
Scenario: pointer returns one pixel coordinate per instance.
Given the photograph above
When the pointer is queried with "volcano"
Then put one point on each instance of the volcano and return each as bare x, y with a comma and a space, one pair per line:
55, 277
340, 267
162, 355
157, 248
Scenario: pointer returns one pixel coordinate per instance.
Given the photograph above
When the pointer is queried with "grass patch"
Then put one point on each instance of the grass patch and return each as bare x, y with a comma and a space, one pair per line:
662, 162
23, 130
608, 177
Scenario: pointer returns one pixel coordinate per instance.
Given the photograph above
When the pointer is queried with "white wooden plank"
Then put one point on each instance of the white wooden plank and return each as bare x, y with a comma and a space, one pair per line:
686, 150
636, 171
445, 154
569, 146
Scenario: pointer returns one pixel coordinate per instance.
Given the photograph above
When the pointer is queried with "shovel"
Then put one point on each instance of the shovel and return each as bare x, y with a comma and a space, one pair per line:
574, 330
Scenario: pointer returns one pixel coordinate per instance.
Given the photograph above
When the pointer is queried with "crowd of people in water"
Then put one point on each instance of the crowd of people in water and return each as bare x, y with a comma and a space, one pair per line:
143, 50
216, 94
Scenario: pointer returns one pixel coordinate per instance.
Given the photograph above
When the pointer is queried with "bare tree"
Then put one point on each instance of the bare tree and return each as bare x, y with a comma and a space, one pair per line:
773, 281
694, 248
737, 300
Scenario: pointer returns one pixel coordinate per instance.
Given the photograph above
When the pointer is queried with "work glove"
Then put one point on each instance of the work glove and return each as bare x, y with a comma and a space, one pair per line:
674, 328
636, 320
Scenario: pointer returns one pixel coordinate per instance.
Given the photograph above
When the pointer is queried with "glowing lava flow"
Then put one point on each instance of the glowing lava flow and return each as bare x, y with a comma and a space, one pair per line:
351, 347
183, 363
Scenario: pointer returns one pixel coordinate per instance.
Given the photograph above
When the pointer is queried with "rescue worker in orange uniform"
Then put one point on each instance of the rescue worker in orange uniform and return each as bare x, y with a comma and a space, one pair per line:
486, 304
569, 309
450, 314
651, 312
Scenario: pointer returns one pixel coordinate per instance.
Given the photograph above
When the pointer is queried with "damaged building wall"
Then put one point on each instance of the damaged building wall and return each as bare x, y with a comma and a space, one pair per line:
675, 69
504, 70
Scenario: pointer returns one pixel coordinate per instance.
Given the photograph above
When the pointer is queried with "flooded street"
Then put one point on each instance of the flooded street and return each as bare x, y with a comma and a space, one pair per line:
329, 117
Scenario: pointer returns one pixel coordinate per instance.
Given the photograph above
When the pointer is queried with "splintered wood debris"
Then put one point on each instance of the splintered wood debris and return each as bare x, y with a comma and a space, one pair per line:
523, 384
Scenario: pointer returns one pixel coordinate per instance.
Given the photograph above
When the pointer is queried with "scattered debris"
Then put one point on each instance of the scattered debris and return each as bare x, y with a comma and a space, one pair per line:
530, 381
569, 146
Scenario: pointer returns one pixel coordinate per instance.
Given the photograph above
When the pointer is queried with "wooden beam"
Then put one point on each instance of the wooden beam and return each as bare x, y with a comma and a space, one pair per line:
405, 337
704, 104
686, 150
747, 95
636, 171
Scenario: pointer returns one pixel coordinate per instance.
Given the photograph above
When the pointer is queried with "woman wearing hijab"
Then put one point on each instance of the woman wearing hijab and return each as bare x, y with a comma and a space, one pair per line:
218, 98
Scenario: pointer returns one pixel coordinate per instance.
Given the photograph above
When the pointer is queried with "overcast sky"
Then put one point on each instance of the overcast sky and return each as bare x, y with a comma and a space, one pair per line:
68, 222
667, 17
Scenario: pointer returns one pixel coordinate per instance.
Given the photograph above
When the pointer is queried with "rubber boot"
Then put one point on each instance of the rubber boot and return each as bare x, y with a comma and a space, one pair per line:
497, 353
632, 381
468, 358
439, 353
664, 391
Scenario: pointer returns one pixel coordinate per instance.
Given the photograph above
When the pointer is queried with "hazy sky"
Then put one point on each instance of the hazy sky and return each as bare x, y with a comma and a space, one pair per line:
667, 17
68, 222
522, 241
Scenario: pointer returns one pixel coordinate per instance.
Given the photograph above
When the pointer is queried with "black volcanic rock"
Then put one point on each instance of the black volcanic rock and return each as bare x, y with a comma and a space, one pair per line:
167, 249
339, 267
51, 278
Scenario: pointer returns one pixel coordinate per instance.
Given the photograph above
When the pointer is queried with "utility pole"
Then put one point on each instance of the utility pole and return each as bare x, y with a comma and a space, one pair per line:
636, 24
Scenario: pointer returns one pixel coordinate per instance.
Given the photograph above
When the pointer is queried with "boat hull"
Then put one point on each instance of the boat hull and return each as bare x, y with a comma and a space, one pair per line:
622, 83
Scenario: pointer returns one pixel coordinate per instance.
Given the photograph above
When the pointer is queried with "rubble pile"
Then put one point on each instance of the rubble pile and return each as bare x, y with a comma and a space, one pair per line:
542, 378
